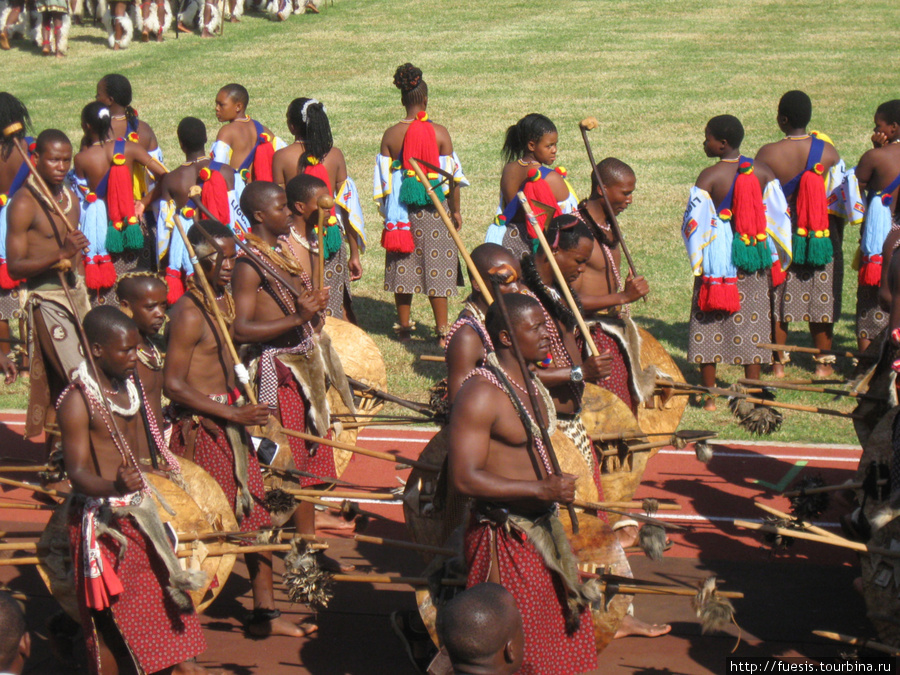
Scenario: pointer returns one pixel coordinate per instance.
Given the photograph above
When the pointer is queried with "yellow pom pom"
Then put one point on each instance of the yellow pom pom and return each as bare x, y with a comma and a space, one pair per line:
801, 231
762, 237
332, 220
3, 199
118, 159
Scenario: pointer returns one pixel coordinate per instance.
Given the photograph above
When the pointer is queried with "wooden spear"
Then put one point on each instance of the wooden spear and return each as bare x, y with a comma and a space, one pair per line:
809, 388
411, 546
597, 506
451, 228
560, 279
324, 205
28, 486
809, 526
586, 125
834, 541
858, 642
343, 494
810, 350
827, 488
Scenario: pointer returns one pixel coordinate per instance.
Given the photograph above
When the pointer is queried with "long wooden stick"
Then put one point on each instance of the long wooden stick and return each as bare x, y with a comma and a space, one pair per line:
27, 507
343, 494
28, 486
451, 228
826, 488
596, 506
809, 526
810, 350
25, 469
324, 205
560, 279
859, 642
15, 562
337, 507
239, 370
801, 534
810, 388
586, 125
363, 451
431, 358
409, 545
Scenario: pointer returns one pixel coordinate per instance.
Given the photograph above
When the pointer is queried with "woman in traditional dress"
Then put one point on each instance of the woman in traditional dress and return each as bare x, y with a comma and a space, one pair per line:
421, 256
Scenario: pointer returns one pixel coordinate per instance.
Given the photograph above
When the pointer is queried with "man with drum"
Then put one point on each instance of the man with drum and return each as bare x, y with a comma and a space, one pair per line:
132, 594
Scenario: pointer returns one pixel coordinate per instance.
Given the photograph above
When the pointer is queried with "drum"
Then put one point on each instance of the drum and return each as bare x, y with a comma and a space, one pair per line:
658, 415
201, 509
433, 510
362, 361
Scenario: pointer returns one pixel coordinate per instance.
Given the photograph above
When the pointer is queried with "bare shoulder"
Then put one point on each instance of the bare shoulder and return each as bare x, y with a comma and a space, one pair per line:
477, 400
245, 273
146, 132
830, 155
764, 172
72, 407
226, 133
186, 320
392, 139
768, 150
706, 179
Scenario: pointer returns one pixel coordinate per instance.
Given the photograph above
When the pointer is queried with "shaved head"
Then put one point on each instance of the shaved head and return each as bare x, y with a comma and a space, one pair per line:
258, 195
12, 628
478, 626
487, 256
518, 305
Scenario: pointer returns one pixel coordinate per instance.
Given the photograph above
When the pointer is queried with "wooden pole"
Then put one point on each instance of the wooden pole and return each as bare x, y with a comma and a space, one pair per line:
810, 350
363, 451
809, 526
411, 546
810, 388
324, 205
858, 642
25, 469
342, 494
595, 506
28, 486
451, 228
560, 279
834, 541
826, 488
587, 125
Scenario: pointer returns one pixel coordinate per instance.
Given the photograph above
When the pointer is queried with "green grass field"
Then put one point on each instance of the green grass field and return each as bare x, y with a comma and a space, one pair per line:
652, 72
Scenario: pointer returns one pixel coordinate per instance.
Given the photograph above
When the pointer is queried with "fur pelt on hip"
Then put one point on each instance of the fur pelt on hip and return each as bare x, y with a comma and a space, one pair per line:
625, 332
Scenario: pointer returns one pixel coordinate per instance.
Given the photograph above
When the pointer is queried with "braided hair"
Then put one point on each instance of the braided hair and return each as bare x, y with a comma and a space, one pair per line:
531, 128
413, 90
309, 120
96, 117
12, 110
130, 284
118, 88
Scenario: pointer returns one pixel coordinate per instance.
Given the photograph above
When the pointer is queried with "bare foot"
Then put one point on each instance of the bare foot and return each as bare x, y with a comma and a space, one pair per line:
181, 28
60, 54
282, 626
778, 370
159, 36
710, 405
330, 520
206, 34
145, 36
627, 535
632, 626
234, 19
824, 370
116, 47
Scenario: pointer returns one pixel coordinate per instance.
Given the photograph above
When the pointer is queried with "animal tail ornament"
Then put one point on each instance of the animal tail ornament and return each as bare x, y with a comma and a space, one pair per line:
215, 17
109, 22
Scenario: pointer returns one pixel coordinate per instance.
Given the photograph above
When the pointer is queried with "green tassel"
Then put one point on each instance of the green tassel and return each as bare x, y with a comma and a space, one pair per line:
333, 240
819, 251
115, 242
134, 237
743, 256
798, 246
765, 256
413, 193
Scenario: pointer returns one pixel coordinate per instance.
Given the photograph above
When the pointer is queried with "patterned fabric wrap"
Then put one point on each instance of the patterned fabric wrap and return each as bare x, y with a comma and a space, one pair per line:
157, 631
346, 198
550, 648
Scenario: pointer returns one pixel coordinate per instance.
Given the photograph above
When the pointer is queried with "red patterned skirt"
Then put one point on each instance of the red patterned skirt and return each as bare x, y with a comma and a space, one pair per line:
619, 381
292, 407
156, 631
213, 453
539, 595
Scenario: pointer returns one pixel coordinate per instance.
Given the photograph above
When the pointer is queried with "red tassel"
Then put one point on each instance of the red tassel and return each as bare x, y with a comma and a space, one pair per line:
120, 191
718, 294
319, 171
870, 271
91, 274
703, 296
539, 191
749, 214
398, 241
778, 274
6, 281
731, 299
108, 274
420, 142
176, 286
812, 211
215, 197
262, 160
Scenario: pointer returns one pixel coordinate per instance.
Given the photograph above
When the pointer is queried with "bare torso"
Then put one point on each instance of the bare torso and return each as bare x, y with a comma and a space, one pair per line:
285, 164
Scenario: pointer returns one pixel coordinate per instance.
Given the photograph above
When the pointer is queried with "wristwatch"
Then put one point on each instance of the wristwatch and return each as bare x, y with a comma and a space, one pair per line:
576, 375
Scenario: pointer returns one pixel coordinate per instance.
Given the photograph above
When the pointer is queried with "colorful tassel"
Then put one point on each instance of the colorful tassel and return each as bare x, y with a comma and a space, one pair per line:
721, 295
870, 271
332, 240
6, 281
263, 157
398, 239
778, 274
115, 242
749, 250
133, 235
91, 274
812, 218
108, 274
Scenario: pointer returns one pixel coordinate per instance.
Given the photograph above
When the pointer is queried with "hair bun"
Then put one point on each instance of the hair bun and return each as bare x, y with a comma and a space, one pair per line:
407, 77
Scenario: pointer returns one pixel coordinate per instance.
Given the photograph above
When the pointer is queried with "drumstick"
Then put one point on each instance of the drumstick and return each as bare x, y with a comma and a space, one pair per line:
560, 279
532, 394
451, 228
239, 370
324, 206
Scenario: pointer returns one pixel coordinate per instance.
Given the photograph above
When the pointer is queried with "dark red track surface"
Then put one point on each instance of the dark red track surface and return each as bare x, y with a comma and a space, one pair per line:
787, 595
